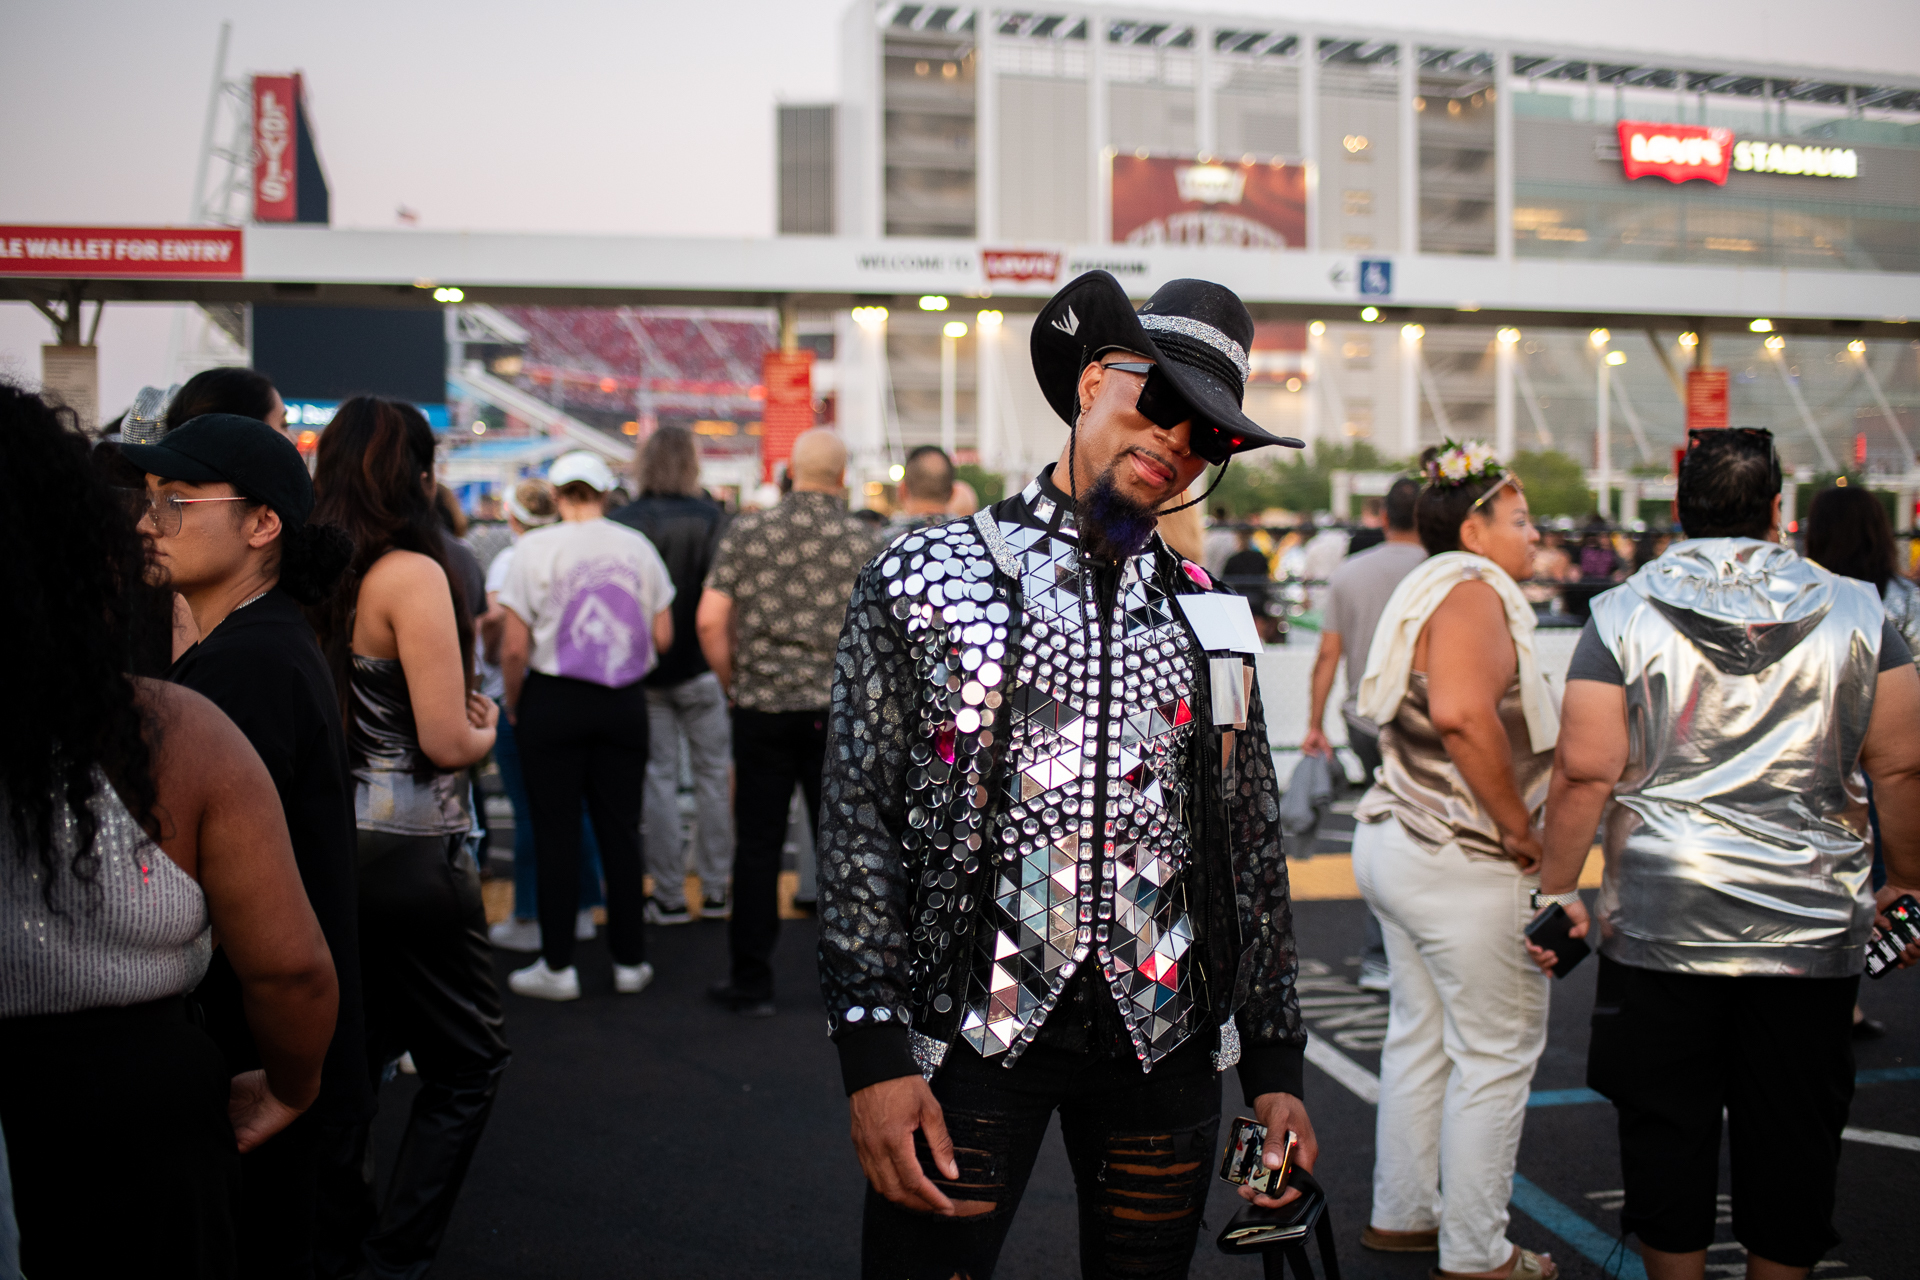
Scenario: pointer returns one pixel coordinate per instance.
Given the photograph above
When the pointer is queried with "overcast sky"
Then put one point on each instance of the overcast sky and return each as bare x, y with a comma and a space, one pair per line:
571, 115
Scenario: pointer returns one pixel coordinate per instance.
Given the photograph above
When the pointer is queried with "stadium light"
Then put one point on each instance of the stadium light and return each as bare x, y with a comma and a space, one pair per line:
1600, 337
1761, 326
1317, 328
933, 302
1776, 343
1616, 357
1413, 332
955, 329
1858, 347
896, 472
990, 319
1369, 314
1509, 335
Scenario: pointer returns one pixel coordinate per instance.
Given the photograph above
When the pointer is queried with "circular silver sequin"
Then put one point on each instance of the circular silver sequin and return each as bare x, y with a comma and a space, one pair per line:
997, 612
942, 1003
990, 672
855, 1014
883, 1015
972, 693
971, 659
915, 584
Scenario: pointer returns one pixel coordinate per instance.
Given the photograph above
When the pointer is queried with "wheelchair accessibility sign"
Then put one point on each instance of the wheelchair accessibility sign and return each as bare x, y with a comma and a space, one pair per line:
1376, 278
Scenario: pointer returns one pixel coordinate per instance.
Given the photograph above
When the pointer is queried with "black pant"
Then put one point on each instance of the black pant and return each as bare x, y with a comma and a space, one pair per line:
1671, 1049
117, 1133
772, 750
1141, 1147
428, 977
580, 739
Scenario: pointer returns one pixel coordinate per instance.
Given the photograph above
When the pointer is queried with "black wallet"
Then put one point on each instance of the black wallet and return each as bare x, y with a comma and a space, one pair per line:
1549, 932
1284, 1231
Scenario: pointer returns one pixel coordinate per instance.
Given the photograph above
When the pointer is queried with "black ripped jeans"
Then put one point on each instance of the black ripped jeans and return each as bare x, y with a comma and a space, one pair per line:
1141, 1147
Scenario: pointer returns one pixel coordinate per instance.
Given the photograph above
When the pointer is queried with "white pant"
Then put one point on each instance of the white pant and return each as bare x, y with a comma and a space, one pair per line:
1467, 1024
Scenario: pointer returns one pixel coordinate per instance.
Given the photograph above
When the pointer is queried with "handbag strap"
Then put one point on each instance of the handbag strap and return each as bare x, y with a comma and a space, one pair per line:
1296, 1254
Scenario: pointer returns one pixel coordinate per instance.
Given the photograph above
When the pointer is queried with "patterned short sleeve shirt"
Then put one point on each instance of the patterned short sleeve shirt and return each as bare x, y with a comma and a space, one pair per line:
790, 573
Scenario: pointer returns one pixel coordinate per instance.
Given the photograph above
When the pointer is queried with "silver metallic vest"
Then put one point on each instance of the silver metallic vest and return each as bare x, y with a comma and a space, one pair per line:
1734, 844
1101, 726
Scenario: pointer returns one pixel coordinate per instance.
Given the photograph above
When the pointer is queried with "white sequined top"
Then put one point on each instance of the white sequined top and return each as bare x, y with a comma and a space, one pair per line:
138, 932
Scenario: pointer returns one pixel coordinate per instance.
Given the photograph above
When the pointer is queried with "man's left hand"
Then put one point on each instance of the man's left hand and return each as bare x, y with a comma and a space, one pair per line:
1280, 1112
1886, 898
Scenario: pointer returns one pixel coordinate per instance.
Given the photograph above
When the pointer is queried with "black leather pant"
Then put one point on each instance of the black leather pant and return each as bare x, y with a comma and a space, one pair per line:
428, 974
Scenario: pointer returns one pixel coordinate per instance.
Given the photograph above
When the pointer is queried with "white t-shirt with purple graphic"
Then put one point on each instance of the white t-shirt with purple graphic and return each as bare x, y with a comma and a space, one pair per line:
588, 590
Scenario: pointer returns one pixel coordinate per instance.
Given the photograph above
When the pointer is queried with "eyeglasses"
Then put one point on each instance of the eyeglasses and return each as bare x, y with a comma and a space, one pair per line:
168, 511
1162, 404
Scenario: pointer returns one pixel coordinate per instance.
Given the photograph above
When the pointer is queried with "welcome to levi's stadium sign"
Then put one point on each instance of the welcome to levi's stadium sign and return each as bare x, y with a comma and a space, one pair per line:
1683, 152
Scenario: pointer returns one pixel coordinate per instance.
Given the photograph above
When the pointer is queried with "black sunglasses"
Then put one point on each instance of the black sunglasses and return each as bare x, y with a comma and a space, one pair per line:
1162, 404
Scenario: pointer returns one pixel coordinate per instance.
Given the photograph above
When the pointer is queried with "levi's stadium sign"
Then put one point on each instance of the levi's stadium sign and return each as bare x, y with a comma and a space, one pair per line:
1682, 152
1676, 152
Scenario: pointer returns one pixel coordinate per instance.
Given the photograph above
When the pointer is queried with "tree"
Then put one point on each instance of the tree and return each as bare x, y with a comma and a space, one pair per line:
988, 486
1292, 481
1556, 484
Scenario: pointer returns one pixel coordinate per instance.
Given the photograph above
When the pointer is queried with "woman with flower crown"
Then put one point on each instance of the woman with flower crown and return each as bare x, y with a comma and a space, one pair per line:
1447, 854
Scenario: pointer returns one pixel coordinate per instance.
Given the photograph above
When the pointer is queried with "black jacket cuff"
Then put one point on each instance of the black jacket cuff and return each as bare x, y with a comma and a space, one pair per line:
873, 1053
1273, 1068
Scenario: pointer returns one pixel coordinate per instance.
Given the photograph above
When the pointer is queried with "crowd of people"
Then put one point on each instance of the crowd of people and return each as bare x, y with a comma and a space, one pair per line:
241, 885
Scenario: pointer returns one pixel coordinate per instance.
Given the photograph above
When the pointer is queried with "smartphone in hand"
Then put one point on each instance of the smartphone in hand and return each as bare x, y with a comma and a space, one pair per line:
1550, 931
1884, 948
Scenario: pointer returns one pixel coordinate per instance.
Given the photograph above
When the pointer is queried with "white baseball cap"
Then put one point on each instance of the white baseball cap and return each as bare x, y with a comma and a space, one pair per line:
581, 467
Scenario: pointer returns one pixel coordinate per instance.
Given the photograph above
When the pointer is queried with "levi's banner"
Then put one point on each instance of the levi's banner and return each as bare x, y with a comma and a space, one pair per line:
100, 252
1676, 152
275, 99
788, 376
1166, 200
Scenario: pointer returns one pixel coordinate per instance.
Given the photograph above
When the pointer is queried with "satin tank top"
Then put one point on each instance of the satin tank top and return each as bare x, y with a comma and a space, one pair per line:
1420, 785
396, 789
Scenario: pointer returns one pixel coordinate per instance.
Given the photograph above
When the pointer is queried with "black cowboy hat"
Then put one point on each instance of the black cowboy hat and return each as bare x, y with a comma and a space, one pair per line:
1197, 332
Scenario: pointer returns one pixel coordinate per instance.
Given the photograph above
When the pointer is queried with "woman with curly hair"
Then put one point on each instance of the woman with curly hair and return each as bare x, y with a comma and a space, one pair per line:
140, 824
397, 632
1447, 856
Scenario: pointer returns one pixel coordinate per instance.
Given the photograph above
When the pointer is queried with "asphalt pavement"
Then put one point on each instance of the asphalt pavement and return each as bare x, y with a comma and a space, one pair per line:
657, 1136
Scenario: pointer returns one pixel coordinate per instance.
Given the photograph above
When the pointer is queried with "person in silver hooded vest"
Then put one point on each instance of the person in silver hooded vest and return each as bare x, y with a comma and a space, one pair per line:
1720, 711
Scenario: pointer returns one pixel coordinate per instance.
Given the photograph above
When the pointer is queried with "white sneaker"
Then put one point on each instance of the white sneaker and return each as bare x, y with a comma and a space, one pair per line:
583, 928
1373, 977
542, 983
515, 935
630, 979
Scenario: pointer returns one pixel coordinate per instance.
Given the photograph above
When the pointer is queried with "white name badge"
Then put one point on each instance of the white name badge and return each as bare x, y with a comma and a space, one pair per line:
1224, 623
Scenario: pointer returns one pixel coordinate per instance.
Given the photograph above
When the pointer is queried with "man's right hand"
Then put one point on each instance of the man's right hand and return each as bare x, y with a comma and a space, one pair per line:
1315, 743
885, 1116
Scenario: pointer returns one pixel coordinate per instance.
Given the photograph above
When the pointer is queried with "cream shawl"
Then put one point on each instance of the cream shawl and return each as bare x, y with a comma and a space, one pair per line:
1390, 660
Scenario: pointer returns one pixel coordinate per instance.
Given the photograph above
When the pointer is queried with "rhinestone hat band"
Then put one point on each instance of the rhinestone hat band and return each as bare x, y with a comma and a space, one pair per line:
1202, 332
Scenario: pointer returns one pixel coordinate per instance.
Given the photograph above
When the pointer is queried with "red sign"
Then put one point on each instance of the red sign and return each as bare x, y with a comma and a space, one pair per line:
1021, 266
103, 252
1676, 152
788, 376
276, 99
1165, 200
1706, 399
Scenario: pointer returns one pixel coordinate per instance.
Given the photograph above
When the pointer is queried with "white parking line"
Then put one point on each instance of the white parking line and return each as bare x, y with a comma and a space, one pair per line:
1877, 1137
1362, 1083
